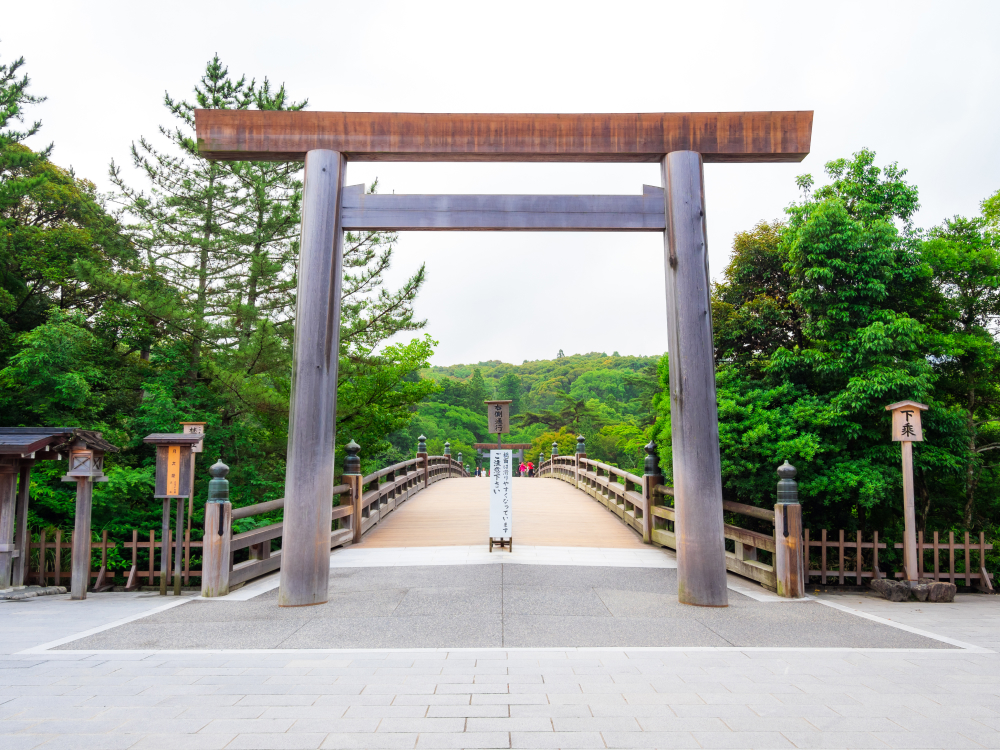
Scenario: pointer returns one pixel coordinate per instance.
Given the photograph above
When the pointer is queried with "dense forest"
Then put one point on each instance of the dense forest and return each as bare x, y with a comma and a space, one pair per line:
171, 298
608, 399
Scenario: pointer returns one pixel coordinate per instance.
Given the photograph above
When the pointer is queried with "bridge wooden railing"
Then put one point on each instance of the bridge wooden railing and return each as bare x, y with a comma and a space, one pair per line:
645, 504
363, 501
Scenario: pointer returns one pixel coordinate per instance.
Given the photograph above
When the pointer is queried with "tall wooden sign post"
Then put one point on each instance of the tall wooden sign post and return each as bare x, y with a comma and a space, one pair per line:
906, 430
680, 142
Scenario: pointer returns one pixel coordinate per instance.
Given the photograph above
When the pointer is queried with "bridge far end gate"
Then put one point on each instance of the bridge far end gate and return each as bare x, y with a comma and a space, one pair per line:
680, 142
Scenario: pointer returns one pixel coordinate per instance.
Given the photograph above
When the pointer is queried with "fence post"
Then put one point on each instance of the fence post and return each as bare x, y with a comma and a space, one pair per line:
538, 467
650, 478
447, 456
460, 467
552, 458
788, 554
352, 478
581, 452
216, 556
422, 453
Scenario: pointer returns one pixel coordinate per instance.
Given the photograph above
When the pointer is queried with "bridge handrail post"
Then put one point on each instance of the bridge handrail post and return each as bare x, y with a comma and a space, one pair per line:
216, 556
581, 453
422, 454
651, 477
353, 479
789, 556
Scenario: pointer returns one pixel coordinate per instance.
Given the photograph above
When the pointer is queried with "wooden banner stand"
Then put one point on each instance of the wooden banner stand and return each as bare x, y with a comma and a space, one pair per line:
174, 480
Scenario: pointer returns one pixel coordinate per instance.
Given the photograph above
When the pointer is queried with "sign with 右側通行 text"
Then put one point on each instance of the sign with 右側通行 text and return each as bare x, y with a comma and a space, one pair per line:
500, 496
498, 416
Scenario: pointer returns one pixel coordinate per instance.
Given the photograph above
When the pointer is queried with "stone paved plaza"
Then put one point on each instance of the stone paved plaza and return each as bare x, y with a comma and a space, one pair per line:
77, 675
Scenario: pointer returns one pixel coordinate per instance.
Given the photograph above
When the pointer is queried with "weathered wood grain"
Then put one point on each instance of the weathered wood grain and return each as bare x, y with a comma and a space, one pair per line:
403, 136
701, 562
305, 567
505, 213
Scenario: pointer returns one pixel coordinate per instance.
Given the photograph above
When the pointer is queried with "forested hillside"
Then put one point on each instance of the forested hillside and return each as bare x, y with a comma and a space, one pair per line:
608, 399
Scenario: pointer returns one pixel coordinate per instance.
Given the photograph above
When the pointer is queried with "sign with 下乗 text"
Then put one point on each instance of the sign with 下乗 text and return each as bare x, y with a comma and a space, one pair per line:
906, 421
500, 496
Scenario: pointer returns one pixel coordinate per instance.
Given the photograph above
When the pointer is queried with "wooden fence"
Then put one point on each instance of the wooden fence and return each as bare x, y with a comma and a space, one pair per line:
381, 493
852, 564
645, 505
49, 559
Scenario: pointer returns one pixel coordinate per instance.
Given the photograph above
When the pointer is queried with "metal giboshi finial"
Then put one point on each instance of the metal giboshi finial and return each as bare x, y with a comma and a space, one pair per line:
651, 464
352, 465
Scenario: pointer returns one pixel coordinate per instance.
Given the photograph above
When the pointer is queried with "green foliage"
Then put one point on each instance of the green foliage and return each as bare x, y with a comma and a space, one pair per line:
822, 321
608, 399
181, 308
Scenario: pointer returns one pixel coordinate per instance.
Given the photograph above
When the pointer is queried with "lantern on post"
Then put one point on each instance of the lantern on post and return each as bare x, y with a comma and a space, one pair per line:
906, 429
86, 466
174, 481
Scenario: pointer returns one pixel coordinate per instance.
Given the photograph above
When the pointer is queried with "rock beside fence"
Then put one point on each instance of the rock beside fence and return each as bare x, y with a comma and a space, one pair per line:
894, 591
923, 591
30, 592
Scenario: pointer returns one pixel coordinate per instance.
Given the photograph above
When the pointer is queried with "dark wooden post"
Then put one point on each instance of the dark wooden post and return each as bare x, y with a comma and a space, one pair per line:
22, 536
701, 564
305, 554
352, 477
218, 534
788, 557
581, 452
422, 453
8, 502
651, 477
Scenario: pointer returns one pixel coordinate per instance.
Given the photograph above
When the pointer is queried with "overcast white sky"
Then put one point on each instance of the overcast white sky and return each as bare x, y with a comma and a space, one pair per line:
917, 82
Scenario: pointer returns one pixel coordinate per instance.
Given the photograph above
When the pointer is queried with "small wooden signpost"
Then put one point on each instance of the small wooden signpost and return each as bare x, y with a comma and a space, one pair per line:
498, 417
193, 428
906, 430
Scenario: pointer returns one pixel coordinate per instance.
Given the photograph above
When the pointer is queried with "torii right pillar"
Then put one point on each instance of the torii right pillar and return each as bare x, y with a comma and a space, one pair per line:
701, 551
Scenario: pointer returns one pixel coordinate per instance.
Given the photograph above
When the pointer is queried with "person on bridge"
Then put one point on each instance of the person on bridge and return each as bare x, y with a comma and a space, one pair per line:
531, 469
522, 470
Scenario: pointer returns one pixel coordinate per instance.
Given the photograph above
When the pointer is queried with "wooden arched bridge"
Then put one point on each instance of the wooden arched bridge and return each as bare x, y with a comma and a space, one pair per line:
369, 511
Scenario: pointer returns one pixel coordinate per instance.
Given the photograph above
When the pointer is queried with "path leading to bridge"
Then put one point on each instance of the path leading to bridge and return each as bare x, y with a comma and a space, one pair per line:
549, 647
547, 513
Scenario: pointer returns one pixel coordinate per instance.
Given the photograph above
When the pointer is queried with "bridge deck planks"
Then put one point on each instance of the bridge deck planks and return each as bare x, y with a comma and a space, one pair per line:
547, 513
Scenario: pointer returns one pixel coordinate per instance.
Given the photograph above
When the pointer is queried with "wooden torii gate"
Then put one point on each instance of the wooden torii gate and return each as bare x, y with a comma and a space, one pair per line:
679, 142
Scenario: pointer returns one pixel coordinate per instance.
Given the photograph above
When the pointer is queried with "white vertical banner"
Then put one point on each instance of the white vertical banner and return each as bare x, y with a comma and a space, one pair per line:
500, 499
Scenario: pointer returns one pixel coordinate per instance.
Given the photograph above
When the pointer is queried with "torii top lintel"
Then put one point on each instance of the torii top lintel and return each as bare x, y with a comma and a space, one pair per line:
236, 135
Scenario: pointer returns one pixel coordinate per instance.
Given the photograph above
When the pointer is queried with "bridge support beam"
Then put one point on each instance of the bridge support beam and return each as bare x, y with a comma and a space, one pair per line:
701, 563
305, 556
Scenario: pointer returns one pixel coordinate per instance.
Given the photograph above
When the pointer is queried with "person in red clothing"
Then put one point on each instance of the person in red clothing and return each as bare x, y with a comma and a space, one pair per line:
531, 469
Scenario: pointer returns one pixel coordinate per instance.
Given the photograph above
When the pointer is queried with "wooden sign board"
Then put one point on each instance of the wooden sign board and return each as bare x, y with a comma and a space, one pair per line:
173, 471
906, 421
498, 417
501, 466
195, 428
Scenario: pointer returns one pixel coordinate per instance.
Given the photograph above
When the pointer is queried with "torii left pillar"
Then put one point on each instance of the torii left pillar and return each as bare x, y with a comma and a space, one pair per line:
305, 562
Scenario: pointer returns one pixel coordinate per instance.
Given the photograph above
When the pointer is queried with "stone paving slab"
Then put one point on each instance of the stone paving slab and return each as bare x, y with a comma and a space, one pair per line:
526, 606
496, 698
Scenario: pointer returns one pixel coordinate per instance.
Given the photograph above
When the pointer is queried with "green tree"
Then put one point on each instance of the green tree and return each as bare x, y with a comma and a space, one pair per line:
510, 388
965, 260
837, 344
